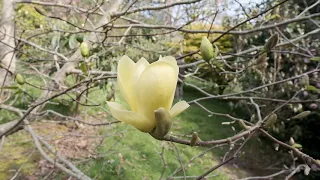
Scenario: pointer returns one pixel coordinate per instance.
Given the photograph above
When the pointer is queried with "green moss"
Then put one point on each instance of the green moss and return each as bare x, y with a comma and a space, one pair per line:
16, 152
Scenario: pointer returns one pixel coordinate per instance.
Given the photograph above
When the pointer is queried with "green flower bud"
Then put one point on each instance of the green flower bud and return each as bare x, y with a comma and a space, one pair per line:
271, 120
83, 67
195, 138
243, 125
20, 79
302, 115
164, 122
206, 49
304, 81
272, 42
84, 48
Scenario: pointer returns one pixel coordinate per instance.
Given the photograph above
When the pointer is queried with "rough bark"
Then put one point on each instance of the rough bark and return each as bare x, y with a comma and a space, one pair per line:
7, 46
179, 89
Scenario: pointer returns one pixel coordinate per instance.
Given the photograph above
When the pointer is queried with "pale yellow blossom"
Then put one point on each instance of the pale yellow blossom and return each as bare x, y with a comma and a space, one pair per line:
146, 87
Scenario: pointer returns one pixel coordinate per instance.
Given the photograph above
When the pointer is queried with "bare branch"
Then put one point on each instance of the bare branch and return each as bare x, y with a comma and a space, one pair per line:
268, 176
153, 8
52, 161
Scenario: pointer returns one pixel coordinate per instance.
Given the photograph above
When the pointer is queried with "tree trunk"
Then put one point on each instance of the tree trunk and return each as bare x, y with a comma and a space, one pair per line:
179, 89
7, 47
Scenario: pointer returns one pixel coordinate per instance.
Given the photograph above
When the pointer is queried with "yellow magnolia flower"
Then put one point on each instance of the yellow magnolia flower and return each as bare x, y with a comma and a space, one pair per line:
146, 88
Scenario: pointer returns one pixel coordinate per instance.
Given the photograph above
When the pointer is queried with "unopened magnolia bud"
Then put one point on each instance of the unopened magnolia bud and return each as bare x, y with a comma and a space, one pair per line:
163, 119
272, 42
271, 120
243, 125
83, 67
302, 115
291, 141
20, 79
304, 81
195, 138
206, 49
84, 48
290, 83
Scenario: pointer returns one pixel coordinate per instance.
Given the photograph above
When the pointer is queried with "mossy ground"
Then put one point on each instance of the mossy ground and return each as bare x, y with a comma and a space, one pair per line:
17, 154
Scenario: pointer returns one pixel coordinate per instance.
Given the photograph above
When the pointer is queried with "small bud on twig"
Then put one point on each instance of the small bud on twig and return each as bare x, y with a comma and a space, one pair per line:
164, 122
195, 138
243, 125
272, 42
304, 81
301, 115
84, 48
206, 49
270, 121
291, 141
20, 79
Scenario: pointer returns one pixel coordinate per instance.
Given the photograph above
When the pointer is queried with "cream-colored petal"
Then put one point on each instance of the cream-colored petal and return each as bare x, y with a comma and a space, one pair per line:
141, 65
178, 108
168, 58
126, 71
172, 60
130, 117
155, 88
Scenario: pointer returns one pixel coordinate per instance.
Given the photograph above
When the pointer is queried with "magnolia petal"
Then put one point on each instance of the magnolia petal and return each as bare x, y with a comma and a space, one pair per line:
141, 65
178, 108
126, 71
172, 60
156, 87
168, 58
130, 117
